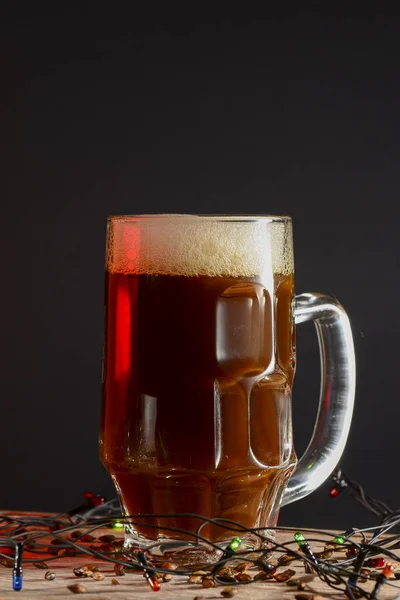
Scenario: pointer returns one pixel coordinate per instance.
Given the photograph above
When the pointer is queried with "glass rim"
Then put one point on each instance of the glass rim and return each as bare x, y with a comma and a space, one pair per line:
242, 218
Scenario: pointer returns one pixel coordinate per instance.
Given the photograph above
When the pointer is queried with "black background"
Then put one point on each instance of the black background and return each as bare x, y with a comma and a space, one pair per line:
139, 111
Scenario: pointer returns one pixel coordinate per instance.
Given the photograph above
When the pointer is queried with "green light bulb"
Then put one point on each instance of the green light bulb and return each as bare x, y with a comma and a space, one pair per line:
299, 538
235, 544
118, 525
339, 540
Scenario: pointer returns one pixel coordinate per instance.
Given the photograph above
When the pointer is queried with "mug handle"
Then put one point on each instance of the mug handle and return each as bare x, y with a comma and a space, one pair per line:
336, 401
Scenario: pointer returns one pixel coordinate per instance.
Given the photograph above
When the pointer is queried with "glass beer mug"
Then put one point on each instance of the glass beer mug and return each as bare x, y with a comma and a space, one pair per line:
199, 360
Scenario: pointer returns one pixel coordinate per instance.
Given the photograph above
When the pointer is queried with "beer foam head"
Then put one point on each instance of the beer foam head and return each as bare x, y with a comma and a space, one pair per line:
191, 245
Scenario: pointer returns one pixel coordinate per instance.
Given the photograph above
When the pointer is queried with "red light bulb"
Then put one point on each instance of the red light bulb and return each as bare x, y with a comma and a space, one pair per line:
376, 563
97, 500
334, 492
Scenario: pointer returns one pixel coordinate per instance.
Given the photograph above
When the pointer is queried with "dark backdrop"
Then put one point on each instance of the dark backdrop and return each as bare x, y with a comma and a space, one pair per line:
140, 112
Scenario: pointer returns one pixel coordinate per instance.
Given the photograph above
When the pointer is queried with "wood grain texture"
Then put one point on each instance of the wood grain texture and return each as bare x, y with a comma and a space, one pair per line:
133, 585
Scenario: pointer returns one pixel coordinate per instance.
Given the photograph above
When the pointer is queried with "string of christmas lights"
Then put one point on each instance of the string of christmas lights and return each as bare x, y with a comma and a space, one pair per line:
342, 482
359, 555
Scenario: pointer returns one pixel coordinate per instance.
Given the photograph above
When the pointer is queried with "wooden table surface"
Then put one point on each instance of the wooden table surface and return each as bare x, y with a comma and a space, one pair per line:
132, 585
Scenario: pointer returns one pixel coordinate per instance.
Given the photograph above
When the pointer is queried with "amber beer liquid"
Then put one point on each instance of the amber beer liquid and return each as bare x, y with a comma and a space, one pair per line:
198, 368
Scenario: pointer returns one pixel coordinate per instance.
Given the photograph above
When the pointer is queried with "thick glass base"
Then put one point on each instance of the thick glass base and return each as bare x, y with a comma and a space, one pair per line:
186, 555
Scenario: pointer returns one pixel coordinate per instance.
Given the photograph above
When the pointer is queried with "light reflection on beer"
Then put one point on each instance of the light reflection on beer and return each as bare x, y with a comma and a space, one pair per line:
123, 334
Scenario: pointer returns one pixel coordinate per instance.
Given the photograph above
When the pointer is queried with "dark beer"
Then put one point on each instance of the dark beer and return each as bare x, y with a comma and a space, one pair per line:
197, 397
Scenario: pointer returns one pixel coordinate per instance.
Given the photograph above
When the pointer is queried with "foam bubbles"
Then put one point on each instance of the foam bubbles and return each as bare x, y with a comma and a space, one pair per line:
192, 246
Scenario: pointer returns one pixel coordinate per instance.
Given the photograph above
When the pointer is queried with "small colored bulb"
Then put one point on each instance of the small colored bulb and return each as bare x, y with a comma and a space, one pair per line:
339, 539
17, 571
17, 583
352, 551
235, 544
153, 582
97, 501
149, 577
118, 525
387, 571
299, 538
376, 563
93, 499
334, 492
88, 495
